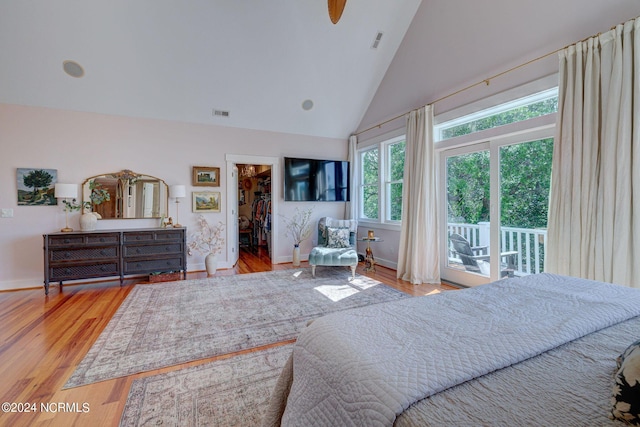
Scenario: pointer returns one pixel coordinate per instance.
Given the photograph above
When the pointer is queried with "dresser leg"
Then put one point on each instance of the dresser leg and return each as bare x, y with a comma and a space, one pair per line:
46, 288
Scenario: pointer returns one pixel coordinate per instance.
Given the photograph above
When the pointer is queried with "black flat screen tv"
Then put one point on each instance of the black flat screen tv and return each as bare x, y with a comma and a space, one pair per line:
316, 180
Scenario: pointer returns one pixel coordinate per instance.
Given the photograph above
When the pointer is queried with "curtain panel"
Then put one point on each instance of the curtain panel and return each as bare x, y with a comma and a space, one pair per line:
418, 254
351, 207
594, 209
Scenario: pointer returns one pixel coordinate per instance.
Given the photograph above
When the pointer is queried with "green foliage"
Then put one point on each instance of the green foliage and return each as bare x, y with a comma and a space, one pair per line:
37, 179
525, 179
518, 114
370, 171
97, 196
396, 173
468, 188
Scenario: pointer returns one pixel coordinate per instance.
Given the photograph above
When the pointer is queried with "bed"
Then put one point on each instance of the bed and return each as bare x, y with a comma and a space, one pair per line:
538, 350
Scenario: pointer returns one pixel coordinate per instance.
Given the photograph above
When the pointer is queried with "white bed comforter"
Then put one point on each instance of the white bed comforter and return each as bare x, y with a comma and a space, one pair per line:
363, 367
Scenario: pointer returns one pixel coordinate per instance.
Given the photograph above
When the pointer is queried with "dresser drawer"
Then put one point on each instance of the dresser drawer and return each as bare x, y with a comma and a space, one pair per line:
150, 266
166, 235
84, 239
153, 236
76, 271
138, 237
142, 250
87, 253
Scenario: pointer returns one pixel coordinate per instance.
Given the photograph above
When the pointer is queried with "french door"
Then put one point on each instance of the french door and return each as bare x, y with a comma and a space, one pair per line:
494, 211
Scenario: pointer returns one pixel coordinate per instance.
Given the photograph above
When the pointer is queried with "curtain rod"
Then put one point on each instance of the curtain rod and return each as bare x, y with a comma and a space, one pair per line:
485, 81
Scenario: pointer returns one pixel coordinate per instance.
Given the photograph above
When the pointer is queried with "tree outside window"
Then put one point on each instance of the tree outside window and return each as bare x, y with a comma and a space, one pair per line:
370, 162
394, 183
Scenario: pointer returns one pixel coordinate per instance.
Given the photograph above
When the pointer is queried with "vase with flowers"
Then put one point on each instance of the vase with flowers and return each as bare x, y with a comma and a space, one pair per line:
209, 241
299, 229
89, 219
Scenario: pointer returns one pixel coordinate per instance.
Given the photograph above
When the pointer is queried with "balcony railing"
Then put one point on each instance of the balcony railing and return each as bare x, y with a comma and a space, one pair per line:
530, 243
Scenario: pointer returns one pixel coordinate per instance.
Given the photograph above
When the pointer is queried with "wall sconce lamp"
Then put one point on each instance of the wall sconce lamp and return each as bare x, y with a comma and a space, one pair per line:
177, 192
66, 192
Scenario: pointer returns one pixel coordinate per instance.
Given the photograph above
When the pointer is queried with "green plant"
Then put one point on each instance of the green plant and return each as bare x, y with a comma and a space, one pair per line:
97, 196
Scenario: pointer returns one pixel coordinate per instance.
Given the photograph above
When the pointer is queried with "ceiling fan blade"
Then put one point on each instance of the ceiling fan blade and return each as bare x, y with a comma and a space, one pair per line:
336, 7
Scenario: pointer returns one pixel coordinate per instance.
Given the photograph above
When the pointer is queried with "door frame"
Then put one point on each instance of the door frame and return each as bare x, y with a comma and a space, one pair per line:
232, 188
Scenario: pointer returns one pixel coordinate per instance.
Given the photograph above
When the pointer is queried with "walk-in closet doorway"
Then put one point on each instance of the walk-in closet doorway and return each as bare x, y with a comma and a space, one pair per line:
252, 208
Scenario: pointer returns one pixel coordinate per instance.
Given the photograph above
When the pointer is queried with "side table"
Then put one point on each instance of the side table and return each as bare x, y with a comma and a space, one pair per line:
369, 260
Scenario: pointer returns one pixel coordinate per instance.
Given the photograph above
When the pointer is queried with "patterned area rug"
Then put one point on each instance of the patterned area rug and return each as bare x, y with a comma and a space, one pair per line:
228, 392
166, 324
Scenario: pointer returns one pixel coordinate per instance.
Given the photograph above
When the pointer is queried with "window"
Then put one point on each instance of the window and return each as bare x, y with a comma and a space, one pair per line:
369, 188
395, 172
380, 185
535, 105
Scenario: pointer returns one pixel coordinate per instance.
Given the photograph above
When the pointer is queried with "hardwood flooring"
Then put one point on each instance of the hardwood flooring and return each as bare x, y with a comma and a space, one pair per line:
43, 338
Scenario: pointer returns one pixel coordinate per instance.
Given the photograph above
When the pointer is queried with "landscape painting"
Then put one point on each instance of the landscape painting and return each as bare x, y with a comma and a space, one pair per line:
206, 201
36, 186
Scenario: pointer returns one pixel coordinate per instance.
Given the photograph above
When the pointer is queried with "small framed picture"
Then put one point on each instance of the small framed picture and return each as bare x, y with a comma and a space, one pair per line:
205, 176
206, 201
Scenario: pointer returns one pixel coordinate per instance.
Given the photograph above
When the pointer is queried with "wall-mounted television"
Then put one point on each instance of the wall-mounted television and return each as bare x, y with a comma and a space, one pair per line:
316, 180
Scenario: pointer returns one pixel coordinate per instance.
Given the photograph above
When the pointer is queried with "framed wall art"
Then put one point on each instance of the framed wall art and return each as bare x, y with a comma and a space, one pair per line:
205, 176
206, 201
36, 186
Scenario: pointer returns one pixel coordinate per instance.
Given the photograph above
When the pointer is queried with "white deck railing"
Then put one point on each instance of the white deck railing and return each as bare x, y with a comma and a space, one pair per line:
530, 243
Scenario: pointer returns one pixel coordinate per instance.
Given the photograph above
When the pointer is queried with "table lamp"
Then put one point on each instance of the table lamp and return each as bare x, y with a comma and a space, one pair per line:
66, 192
177, 192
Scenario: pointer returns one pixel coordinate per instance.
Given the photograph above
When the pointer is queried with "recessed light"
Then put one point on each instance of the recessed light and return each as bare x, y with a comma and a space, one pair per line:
73, 69
307, 104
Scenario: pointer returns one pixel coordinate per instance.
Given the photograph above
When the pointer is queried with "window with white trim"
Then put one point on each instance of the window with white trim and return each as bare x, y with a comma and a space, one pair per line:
525, 108
380, 181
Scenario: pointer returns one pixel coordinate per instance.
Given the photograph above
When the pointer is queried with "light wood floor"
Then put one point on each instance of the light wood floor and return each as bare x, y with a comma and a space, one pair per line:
43, 339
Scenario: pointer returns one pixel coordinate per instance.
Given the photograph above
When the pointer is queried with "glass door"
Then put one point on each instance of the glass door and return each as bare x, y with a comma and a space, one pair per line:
495, 215
468, 214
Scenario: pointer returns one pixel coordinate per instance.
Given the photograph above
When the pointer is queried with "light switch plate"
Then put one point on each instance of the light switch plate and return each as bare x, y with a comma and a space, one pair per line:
6, 213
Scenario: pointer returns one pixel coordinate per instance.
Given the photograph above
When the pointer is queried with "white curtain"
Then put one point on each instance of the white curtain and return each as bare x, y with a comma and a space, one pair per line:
418, 256
351, 207
594, 211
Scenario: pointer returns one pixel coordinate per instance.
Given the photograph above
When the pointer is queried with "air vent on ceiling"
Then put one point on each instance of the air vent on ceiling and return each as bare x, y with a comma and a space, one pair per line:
376, 42
220, 113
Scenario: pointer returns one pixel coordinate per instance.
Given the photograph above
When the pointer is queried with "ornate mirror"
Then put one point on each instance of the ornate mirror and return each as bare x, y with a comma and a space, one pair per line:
126, 194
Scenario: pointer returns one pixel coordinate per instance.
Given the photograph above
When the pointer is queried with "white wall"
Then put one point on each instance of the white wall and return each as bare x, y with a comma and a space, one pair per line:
80, 145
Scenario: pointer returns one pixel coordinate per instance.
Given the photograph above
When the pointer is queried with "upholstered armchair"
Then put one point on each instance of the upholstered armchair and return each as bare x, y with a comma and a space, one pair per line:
336, 244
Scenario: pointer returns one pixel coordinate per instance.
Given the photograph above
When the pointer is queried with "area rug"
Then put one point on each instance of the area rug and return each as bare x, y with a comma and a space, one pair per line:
166, 324
228, 392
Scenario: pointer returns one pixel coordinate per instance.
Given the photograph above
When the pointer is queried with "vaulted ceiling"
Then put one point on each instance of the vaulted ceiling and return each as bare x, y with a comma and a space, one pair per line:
261, 60
179, 60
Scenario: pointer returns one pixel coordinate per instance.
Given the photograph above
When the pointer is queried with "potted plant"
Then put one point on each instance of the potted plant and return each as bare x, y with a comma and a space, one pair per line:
299, 229
209, 241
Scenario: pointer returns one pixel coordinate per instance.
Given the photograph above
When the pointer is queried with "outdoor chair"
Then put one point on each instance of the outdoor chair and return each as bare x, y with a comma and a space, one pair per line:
475, 259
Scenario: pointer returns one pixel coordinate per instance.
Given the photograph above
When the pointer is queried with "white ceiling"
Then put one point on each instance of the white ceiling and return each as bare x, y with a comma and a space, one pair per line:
179, 60
259, 60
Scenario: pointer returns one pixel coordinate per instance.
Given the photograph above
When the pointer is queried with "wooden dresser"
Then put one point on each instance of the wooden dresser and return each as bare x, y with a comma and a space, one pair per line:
106, 253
